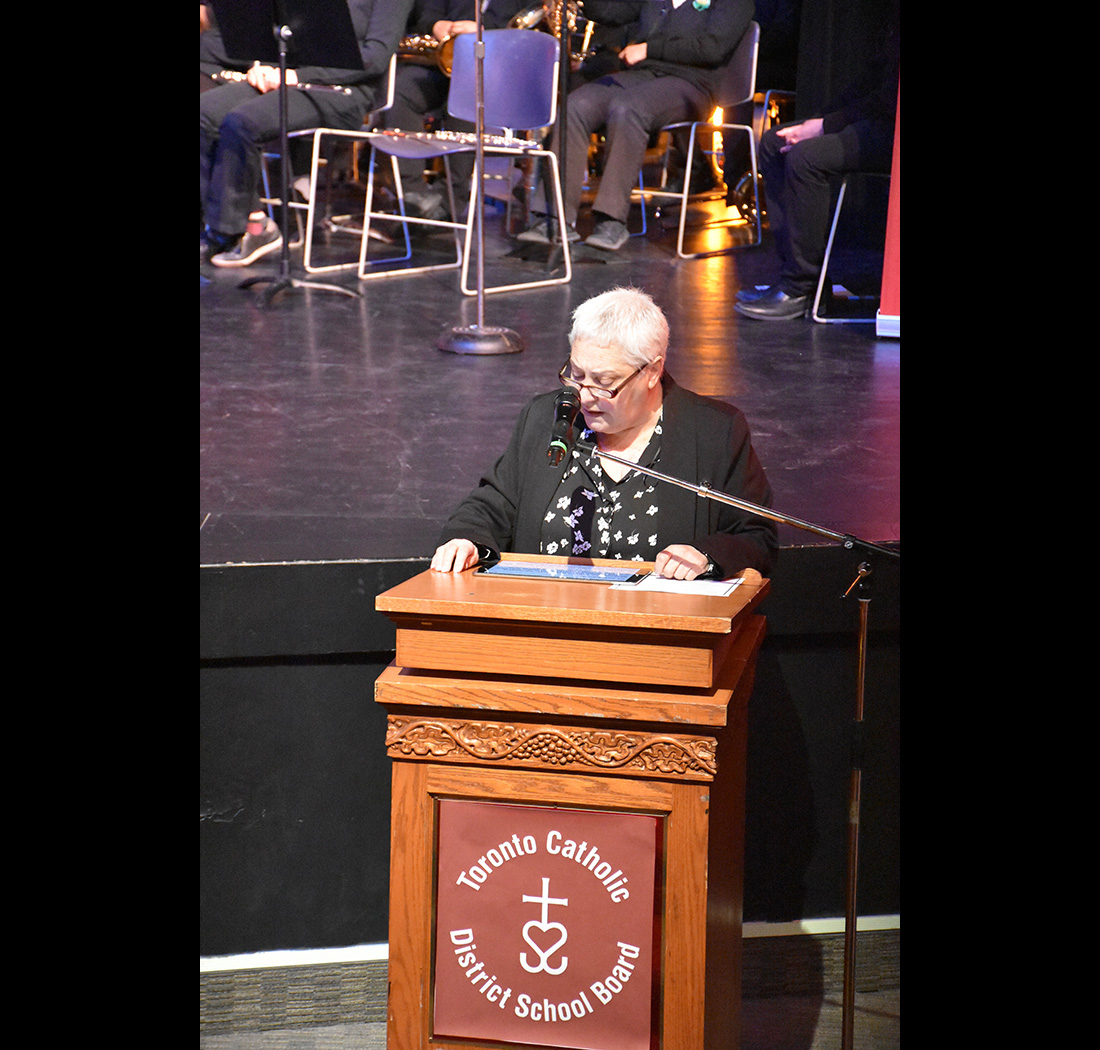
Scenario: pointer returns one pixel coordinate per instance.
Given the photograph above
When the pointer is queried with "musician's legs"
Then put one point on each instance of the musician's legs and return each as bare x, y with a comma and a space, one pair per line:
587, 111
645, 104
214, 107
630, 106
231, 137
799, 187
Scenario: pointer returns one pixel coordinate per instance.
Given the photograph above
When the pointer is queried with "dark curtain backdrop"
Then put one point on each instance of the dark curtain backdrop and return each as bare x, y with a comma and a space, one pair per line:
836, 39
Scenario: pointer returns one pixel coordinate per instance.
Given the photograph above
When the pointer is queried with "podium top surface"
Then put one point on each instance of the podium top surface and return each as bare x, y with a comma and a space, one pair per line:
473, 595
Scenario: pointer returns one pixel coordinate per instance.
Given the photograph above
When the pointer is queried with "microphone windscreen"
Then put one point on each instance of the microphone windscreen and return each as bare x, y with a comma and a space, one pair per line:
567, 396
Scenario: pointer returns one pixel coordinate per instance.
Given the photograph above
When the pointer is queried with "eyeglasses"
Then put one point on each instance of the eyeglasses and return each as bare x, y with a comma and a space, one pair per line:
599, 391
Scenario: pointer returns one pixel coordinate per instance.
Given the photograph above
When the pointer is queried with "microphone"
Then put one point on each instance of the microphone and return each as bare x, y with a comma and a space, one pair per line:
566, 406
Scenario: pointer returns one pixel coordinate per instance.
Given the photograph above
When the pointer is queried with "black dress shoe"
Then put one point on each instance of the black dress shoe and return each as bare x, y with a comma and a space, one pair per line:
751, 294
775, 305
703, 180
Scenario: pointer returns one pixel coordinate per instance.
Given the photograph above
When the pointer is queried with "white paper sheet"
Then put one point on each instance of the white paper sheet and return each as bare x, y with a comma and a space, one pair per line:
653, 582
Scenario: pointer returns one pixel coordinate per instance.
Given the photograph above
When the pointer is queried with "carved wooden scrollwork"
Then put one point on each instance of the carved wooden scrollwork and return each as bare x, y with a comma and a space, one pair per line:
540, 746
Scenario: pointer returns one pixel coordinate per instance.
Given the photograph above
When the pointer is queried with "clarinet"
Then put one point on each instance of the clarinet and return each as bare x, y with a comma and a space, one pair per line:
225, 76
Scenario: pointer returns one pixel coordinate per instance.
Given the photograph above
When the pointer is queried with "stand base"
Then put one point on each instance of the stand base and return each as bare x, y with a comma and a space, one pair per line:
279, 284
551, 254
473, 339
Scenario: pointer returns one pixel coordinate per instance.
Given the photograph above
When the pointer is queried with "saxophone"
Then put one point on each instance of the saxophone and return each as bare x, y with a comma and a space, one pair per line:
548, 15
425, 50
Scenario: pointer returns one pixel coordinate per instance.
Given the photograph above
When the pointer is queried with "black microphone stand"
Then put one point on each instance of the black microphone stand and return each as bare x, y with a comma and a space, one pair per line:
476, 338
862, 587
284, 281
850, 542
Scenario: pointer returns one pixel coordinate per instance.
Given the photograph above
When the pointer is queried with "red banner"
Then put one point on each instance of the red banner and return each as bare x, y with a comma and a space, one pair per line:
544, 929
888, 321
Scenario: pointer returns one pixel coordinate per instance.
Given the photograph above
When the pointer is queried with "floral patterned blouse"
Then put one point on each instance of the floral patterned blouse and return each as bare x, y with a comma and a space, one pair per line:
593, 516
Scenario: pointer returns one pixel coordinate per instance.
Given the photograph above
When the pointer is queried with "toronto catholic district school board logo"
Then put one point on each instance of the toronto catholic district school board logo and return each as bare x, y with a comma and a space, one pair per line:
544, 925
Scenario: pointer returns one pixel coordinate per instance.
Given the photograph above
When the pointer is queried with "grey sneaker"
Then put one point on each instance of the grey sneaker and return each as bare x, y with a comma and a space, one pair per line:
252, 246
536, 233
609, 234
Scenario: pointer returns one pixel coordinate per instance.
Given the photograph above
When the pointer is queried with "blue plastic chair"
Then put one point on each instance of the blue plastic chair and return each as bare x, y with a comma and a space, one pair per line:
520, 90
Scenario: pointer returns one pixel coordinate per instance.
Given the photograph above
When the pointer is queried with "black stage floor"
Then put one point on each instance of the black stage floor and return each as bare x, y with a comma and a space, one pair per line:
332, 428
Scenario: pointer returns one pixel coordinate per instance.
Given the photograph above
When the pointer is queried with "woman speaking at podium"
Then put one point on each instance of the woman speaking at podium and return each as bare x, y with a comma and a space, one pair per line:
593, 507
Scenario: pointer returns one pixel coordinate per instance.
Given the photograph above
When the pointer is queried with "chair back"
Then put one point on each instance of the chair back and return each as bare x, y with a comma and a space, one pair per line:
373, 117
391, 84
739, 79
520, 79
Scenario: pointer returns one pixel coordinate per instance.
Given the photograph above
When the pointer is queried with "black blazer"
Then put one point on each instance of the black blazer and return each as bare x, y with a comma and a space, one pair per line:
692, 43
703, 441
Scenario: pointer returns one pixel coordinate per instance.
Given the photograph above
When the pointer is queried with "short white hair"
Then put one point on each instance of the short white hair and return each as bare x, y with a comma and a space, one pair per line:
625, 318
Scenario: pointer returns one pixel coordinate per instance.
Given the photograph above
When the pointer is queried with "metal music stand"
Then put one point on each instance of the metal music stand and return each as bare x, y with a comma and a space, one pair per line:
317, 33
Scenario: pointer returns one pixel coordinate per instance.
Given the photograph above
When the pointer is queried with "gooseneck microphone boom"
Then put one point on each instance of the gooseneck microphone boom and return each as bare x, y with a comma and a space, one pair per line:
566, 406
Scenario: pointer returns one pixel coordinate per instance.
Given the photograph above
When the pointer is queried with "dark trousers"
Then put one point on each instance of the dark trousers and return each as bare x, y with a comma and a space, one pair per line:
418, 91
630, 106
798, 187
235, 121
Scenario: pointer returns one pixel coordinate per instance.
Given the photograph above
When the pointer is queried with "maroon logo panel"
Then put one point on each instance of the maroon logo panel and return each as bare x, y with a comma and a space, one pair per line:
544, 925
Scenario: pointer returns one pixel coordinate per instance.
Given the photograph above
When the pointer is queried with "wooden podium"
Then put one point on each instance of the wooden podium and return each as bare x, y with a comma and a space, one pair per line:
518, 709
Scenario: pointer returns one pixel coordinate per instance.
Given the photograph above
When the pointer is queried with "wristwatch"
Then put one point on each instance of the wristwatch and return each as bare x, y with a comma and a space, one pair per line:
713, 571
486, 555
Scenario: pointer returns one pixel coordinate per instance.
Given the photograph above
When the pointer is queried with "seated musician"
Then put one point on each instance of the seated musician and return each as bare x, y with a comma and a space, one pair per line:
670, 71
422, 87
238, 117
593, 507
